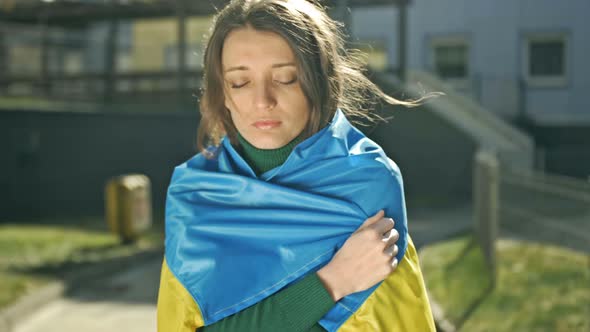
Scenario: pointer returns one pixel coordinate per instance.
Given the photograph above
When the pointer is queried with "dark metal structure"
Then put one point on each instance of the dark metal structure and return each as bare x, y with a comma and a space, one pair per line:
70, 14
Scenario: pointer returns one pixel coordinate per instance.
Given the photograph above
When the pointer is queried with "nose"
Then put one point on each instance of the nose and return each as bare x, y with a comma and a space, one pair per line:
264, 97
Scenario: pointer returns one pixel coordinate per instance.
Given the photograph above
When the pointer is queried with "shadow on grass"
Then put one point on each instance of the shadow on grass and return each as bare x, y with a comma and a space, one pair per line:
474, 305
80, 253
110, 276
471, 252
80, 259
85, 223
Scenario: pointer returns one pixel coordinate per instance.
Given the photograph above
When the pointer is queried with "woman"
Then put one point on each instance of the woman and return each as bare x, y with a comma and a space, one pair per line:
279, 225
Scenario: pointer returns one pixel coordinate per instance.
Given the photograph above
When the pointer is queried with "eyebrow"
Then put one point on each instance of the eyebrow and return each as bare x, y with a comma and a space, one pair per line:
276, 65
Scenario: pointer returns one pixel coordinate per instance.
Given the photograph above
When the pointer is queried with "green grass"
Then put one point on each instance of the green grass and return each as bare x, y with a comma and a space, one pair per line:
39, 103
127, 105
33, 254
539, 287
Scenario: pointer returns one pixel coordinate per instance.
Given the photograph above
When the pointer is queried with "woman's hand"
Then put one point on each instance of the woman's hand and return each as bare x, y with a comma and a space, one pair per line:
366, 258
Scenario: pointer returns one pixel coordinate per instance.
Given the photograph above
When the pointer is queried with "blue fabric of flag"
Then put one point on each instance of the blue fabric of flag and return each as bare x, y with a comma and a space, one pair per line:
234, 238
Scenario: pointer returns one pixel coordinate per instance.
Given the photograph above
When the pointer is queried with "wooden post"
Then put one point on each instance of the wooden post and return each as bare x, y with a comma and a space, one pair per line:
486, 207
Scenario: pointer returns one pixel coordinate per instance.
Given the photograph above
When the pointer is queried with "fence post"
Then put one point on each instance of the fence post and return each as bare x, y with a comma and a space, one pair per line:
486, 206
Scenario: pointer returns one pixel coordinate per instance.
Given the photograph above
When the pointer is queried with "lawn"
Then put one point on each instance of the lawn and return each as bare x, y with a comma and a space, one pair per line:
539, 287
43, 104
33, 254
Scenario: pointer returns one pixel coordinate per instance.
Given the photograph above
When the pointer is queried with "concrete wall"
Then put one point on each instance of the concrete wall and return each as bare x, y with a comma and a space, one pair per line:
57, 163
566, 149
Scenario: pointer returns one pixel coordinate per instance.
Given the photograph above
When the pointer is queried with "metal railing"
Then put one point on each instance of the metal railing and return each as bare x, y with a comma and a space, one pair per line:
68, 65
530, 205
544, 207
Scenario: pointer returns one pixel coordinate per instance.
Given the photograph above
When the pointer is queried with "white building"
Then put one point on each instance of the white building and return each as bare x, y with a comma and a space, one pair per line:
512, 56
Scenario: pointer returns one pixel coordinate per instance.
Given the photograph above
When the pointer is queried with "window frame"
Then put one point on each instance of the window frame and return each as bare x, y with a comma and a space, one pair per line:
454, 40
547, 81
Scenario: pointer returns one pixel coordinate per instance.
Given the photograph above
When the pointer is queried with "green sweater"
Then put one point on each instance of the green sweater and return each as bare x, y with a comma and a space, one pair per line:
296, 308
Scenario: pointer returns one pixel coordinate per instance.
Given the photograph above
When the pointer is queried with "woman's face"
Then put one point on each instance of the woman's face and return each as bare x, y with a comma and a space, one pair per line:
262, 89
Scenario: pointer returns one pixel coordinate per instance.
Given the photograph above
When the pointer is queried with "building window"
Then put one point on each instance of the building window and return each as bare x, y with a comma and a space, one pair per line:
450, 58
545, 60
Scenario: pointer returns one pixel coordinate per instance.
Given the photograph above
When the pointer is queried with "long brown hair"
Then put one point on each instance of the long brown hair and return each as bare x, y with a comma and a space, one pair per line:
331, 77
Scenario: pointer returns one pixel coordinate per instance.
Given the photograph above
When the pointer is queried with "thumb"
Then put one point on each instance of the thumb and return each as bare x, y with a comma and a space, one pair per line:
371, 220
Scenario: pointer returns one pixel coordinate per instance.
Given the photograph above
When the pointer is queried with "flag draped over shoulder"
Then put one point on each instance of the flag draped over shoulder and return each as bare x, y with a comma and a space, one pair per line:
234, 238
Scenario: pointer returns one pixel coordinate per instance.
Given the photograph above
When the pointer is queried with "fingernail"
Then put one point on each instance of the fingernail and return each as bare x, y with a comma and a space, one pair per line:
394, 262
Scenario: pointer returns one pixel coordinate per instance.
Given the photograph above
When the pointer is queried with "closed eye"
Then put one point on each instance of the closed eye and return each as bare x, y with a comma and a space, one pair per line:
237, 86
288, 82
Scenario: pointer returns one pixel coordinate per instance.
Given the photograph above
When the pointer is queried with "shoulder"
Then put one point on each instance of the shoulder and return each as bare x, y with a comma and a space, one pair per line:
204, 161
370, 154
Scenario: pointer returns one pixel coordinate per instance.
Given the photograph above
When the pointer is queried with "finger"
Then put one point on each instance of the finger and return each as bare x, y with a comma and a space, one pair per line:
391, 250
373, 219
393, 237
387, 235
384, 225
394, 263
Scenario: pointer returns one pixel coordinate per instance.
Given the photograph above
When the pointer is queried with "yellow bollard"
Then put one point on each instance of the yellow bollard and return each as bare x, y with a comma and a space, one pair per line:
128, 206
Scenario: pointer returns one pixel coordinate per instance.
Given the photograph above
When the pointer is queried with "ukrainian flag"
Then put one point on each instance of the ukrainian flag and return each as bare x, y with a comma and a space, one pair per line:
234, 238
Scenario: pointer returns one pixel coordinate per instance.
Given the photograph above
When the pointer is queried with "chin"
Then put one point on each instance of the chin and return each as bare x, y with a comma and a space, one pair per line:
269, 144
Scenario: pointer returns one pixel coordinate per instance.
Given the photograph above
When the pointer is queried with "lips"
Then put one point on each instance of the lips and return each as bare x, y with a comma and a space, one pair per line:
266, 124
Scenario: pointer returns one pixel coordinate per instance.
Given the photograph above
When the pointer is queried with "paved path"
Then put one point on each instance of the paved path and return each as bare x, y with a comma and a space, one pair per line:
126, 302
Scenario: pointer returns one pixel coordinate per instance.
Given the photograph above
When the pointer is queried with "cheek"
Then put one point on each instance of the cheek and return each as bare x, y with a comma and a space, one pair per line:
236, 118
238, 102
304, 118
232, 104
301, 104
229, 101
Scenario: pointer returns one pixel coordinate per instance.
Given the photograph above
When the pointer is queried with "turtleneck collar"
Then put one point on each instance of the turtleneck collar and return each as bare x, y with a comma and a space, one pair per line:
263, 160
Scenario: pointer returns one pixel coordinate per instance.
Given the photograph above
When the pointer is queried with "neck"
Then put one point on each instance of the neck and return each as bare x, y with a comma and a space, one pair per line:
263, 160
